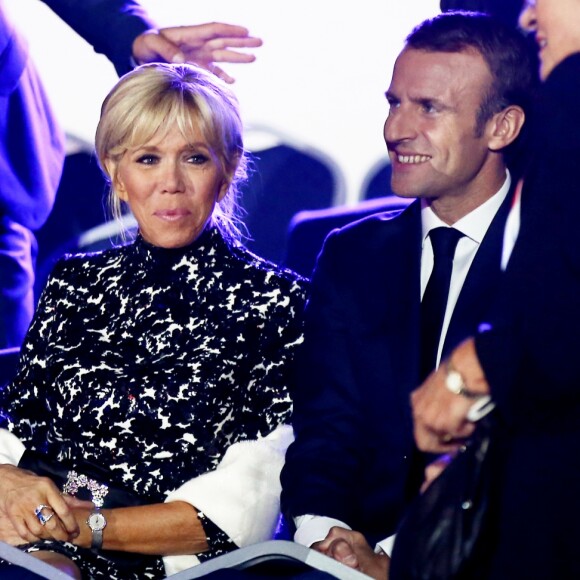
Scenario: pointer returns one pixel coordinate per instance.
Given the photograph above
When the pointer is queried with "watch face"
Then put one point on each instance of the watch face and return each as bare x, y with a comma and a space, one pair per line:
97, 521
454, 381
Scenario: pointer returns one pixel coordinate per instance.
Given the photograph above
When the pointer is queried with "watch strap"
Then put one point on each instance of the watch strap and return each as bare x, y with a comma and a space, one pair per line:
97, 540
96, 530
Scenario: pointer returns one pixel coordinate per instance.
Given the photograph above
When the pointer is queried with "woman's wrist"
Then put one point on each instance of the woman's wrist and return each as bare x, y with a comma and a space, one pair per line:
464, 375
84, 538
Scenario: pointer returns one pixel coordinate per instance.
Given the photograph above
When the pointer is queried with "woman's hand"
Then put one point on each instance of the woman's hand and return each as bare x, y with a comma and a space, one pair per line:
21, 493
440, 416
8, 533
436, 468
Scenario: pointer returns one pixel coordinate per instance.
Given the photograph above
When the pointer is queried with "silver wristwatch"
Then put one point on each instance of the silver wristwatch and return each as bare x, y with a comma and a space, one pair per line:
97, 522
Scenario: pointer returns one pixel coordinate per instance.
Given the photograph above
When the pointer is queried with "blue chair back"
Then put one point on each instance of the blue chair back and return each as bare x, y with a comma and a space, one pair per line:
8, 364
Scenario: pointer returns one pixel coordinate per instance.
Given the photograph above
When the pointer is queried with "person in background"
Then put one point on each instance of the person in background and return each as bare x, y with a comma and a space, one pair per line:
505, 10
526, 359
32, 144
164, 363
457, 102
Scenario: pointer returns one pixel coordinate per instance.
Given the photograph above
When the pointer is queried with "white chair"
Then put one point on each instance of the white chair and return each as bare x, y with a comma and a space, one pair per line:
25, 566
273, 558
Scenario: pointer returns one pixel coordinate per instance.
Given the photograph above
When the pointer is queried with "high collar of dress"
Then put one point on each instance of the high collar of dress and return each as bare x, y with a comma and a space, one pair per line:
155, 256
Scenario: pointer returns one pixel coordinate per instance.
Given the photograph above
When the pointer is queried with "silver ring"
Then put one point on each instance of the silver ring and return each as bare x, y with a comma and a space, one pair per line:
447, 438
41, 517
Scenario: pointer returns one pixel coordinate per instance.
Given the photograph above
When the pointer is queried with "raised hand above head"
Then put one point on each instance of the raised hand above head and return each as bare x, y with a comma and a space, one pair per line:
202, 44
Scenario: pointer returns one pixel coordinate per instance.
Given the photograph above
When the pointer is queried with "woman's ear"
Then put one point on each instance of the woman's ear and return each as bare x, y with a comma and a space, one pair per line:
116, 183
225, 186
227, 179
505, 126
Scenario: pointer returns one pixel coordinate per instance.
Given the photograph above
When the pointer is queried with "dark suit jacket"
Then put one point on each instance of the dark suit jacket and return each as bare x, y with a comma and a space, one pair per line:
530, 356
359, 363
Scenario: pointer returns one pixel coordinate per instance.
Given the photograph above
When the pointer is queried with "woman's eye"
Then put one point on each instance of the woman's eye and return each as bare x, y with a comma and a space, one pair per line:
198, 159
147, 159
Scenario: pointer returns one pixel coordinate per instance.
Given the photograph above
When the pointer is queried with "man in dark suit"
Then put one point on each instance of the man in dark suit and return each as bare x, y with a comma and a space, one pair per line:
31, 143
527, 357
456, 99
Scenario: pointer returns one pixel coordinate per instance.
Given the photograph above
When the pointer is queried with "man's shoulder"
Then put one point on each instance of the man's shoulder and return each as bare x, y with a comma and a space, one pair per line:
376, 228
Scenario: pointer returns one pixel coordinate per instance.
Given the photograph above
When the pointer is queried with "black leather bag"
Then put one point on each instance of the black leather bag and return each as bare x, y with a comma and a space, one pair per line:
444, 533
58, 472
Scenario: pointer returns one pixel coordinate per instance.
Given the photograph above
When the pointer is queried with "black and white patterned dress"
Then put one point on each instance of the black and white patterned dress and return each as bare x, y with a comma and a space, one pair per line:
154, 361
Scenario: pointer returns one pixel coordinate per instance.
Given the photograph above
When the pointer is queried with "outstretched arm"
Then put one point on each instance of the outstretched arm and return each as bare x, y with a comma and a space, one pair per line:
123, 31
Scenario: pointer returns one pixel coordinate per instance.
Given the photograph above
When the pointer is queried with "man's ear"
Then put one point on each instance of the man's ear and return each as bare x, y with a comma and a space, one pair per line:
505, 126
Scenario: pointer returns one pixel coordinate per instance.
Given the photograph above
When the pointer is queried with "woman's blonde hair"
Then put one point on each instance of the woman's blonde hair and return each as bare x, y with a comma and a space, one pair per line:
150, 101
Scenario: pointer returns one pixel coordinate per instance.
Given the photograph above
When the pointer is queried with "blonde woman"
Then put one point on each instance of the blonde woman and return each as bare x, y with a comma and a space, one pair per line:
158, 369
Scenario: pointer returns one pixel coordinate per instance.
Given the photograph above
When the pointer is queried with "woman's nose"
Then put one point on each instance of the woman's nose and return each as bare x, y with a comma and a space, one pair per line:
173, 181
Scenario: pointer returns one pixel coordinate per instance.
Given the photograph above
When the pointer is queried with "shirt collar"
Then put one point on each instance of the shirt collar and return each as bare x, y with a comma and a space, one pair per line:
473, 225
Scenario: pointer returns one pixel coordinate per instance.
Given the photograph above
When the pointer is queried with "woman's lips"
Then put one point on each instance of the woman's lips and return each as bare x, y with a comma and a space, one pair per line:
172, 214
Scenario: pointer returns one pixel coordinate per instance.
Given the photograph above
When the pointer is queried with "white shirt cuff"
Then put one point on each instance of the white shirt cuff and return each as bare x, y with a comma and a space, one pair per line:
310, 528
385, 545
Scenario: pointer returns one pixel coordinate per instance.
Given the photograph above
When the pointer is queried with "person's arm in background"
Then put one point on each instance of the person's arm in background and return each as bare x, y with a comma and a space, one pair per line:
440, 415
505, 10
123, 31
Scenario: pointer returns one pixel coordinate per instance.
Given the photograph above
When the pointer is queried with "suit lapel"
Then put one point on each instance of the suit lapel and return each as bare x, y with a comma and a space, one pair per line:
401, 293
480, 284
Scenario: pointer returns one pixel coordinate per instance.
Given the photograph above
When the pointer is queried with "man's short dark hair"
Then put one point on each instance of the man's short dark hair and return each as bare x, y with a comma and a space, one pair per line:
504, 49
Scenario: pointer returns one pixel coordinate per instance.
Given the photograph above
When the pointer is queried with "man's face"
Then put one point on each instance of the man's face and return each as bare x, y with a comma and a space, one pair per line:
431, 131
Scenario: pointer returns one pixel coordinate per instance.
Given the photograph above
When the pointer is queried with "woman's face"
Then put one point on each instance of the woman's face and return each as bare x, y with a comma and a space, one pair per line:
172, 186
556, 24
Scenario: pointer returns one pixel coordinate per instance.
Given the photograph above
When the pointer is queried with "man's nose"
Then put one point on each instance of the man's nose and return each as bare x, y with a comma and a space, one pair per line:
399, 126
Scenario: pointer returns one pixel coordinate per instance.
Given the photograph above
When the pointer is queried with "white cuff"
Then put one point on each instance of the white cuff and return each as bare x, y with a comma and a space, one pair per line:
310, 528
385, 546
11, 448
242, 495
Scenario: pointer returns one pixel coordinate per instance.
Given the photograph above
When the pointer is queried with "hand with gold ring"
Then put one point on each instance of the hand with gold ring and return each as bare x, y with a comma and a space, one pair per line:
35, 506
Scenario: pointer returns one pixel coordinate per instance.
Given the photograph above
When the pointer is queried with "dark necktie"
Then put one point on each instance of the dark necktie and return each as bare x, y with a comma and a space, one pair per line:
444, 241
